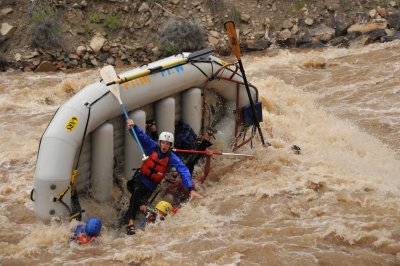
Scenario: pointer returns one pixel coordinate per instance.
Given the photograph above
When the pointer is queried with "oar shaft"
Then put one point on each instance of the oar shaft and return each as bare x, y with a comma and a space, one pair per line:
132, 129
253, 108
234, 43
212, 152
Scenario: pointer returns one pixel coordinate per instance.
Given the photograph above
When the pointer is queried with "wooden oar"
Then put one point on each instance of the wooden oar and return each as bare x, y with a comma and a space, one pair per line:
234, 43
213, 153
108, 74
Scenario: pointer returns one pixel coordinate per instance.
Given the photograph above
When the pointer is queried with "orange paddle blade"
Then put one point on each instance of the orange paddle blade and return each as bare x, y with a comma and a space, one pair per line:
233, 38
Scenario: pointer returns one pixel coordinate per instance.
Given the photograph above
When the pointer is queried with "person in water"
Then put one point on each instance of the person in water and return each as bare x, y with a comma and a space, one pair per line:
85, 234
172, 187
153, 171
158, 213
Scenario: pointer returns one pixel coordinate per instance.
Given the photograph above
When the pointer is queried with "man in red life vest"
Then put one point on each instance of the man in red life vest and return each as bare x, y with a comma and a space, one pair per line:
153, 170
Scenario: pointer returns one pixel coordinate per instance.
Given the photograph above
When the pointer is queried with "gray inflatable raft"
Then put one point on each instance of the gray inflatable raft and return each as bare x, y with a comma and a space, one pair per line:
88, 132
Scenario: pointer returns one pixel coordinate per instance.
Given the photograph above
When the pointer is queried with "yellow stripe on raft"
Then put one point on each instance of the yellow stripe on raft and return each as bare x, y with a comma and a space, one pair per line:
148, 71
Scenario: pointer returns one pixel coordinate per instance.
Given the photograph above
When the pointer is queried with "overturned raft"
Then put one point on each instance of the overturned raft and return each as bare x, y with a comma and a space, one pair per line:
88, 132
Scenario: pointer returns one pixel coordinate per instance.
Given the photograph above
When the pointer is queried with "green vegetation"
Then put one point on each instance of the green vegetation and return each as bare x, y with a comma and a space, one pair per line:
299, 4
111, 22
96, 17
369, 5
168, 48
46, 30
108, 23
84, 30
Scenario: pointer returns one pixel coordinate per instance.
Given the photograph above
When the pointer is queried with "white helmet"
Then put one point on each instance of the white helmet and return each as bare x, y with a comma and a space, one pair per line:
166, 136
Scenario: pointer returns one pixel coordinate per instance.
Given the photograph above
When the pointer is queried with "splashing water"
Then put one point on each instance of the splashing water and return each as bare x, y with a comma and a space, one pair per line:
335, 203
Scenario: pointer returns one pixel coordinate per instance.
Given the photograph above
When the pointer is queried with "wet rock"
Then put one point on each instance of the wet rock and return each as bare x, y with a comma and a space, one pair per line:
389, 38
45, 66
256, 45
296, 149
342, 23
341, 42
308, 41
367, 27
376, 35
322, 33
359, 42
3, 64
394, 20
361, 17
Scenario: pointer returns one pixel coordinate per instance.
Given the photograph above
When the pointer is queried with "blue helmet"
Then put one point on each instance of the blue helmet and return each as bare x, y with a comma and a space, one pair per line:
79, 230
93, 226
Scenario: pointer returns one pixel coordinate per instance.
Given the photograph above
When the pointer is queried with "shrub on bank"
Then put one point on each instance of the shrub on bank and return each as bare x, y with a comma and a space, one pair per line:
45, 30
179, 35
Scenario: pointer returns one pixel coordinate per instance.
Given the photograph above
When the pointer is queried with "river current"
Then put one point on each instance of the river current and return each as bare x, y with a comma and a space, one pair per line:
336, 203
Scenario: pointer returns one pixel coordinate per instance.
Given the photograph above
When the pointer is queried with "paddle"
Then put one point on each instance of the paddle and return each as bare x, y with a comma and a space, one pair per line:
195, 55
212, 152
234, 43
108, 74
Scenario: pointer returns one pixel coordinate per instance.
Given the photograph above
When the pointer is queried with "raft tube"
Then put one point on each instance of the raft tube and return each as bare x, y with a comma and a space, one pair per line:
90, 128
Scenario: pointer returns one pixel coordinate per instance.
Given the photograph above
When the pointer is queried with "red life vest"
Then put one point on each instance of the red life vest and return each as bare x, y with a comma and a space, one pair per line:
155, 168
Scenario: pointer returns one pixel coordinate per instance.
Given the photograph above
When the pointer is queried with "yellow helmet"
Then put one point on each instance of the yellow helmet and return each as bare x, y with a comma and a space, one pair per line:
164, 207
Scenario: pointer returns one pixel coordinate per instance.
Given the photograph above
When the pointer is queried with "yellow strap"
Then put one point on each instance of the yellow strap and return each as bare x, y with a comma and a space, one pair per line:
61, 195
74, 216
72, 184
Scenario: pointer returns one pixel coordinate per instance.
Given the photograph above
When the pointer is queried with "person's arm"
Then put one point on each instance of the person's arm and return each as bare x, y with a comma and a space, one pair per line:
203, 175
148, 144
175, 161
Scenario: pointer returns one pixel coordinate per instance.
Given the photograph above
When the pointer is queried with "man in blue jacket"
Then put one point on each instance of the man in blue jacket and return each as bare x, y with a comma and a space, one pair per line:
153, 170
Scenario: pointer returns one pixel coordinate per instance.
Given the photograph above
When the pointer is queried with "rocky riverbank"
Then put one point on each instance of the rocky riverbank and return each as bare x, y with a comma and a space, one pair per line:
50, 35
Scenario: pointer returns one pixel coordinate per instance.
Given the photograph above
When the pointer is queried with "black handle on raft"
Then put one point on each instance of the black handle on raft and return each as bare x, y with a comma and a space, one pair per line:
32, 194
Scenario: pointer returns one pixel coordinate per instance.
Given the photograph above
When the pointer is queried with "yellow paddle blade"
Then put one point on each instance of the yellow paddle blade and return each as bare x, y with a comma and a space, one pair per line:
233, 38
